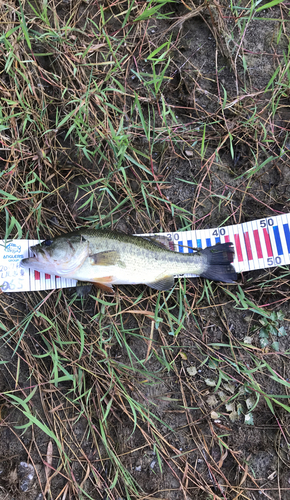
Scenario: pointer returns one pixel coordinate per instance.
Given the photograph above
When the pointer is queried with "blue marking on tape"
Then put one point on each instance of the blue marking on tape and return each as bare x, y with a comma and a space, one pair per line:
198, 242
180, 246
189, 242
208, 242
287, 235
218, 240
278, 240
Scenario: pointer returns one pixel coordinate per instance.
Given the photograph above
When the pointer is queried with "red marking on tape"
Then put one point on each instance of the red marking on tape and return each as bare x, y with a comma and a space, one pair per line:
248, 246
268, 242
47, 276
238, 248
58, 277
37, 275
227, 238
171, 245
258, 244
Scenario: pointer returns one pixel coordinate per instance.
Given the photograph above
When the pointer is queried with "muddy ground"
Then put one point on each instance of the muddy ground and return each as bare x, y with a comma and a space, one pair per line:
199, 454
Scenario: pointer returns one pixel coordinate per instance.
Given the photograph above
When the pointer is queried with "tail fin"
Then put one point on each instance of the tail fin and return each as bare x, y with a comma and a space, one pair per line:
219, 259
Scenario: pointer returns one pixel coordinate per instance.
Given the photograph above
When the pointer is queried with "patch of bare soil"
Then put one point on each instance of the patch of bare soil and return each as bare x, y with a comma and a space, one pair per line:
202, 453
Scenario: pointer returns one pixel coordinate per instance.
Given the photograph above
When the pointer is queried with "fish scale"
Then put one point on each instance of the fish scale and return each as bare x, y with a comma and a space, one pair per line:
258, 244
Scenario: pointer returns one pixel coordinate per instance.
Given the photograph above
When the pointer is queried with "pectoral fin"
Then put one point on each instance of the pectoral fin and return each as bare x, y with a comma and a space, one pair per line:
104, 283
162, 283
105, 279
108, 258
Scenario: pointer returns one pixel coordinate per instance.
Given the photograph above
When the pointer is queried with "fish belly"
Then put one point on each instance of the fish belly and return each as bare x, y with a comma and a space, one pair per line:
119, 276
128, 273
136, 267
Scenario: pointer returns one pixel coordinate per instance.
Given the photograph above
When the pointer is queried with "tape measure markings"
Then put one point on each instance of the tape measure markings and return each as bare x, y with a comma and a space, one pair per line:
255, 259
250, 244
258, 244
280, 237
286, 231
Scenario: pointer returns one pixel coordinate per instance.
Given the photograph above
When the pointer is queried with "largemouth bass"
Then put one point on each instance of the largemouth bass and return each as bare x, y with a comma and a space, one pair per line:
110, 258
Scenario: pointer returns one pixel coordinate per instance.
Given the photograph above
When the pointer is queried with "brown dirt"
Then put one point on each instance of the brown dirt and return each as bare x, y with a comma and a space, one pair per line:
202, 457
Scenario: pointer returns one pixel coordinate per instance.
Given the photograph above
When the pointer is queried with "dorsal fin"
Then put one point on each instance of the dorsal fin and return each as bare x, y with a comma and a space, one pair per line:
158, 240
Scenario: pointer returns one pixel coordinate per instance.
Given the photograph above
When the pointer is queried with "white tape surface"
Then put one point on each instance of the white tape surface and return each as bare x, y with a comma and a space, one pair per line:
258, 244
14, 278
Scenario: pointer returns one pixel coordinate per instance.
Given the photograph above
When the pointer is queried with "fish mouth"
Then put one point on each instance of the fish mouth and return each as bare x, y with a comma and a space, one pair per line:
28, 262
32, 260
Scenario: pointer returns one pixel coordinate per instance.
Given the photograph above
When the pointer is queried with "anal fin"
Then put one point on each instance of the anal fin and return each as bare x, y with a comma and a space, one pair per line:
162, 282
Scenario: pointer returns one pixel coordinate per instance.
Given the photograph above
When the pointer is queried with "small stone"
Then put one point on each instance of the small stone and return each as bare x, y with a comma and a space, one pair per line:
191, 370
229, 387
249, 420
242, 390
272, 476
212, 401
250, 403
26, 476
230, 407
210, 382
233, 416
222, 395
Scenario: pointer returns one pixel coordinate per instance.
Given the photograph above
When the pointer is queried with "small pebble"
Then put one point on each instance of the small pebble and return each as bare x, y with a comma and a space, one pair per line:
26, 476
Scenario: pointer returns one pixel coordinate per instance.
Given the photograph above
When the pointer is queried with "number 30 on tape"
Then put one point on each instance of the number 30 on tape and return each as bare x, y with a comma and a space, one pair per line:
258, 244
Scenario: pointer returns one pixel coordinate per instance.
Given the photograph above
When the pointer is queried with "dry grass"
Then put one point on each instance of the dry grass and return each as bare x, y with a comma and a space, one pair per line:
109, 118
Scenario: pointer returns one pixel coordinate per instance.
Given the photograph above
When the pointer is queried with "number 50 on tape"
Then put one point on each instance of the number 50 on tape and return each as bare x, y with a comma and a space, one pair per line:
258, 244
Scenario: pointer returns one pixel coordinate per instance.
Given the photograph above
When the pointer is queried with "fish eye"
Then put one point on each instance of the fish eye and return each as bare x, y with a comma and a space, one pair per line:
47, 243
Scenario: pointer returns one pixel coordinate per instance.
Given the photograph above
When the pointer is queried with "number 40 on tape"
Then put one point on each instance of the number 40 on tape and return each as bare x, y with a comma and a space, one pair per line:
258, 244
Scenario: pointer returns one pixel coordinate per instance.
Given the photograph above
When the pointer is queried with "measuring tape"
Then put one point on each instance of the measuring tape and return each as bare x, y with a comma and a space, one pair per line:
258, 244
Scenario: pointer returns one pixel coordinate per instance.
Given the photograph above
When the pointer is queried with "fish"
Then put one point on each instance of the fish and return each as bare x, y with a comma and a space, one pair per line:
109, 258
